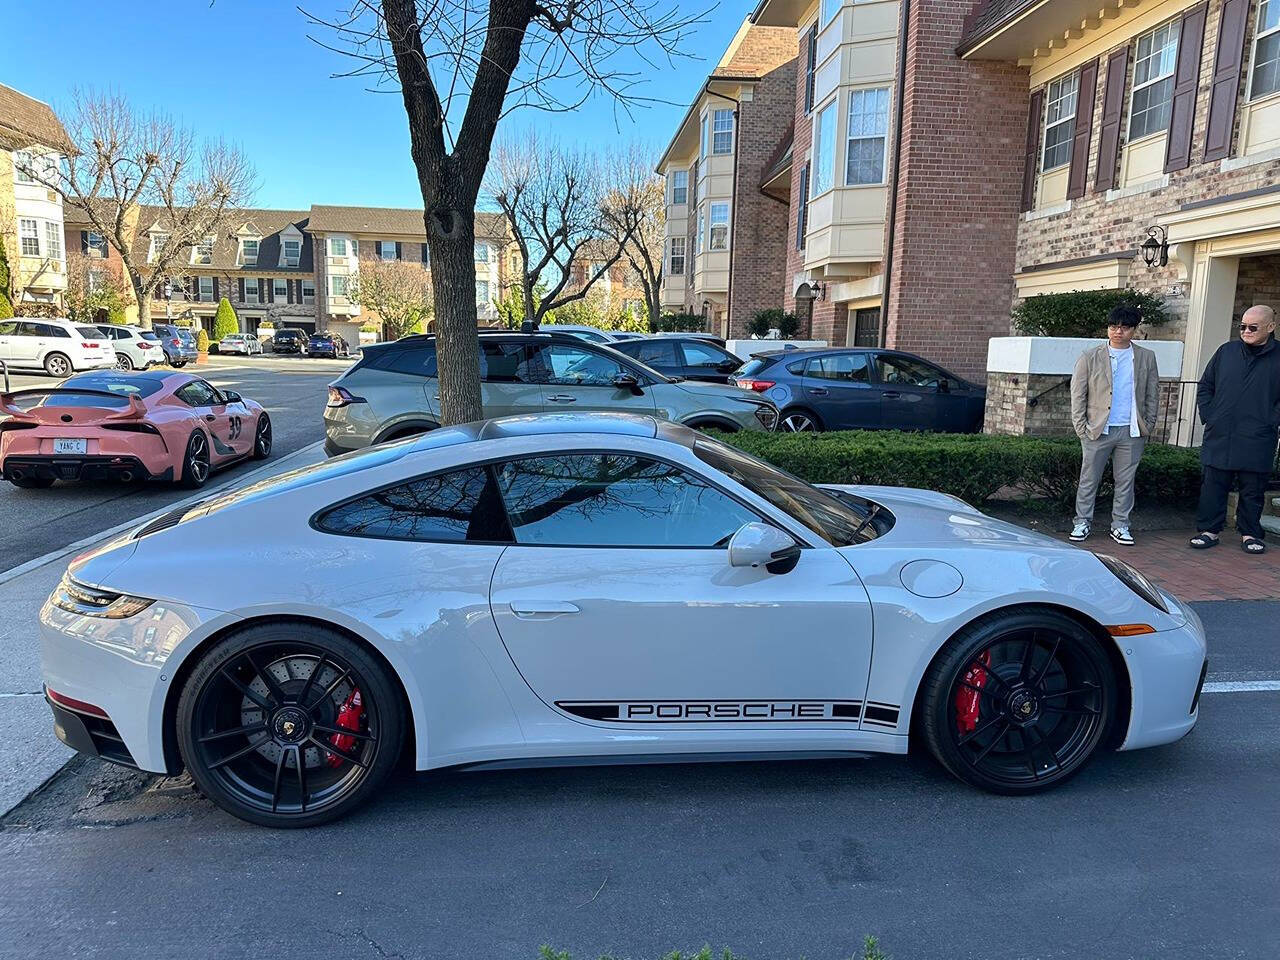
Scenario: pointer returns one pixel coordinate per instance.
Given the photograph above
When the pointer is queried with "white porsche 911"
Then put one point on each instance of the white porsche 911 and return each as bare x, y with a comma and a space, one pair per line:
570, 589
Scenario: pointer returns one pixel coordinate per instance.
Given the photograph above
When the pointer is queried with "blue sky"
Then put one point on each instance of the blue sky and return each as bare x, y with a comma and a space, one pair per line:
246, 71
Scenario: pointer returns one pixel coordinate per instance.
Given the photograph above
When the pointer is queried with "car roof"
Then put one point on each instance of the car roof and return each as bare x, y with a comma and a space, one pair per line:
544, 425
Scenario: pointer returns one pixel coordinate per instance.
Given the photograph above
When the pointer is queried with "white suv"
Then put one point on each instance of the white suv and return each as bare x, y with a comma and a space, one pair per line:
59, 347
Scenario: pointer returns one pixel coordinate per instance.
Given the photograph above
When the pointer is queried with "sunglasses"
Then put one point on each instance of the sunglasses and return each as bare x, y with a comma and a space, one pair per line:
1250, 327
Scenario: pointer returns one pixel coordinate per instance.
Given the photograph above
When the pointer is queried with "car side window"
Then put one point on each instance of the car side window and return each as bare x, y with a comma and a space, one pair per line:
505, 363
797, 368
905, 371
197, 394
704, 355
847, 367
615, 500
660, 353
9, 328
567, 365
456, 507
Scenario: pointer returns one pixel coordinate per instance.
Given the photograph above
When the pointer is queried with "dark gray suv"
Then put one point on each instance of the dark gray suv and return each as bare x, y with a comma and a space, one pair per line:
392, 392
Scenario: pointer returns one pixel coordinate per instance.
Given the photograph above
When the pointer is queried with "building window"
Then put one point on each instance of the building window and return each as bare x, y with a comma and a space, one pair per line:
53, 240
802, 217
97, 281
23, 164
337, 246
719, 226
679, 186
482, 253
829, 9
280, 289
482, 293
1265, 79
292, 252
702, 138
824, 149
308, 291
29, 231
387, 250
248, 253
204, 290
202, 252
701, 237
868, 136
722, 138
1153, 81
677, 257
96, 245
158, 242
251, 291
1060, 121
810, 69
338, 285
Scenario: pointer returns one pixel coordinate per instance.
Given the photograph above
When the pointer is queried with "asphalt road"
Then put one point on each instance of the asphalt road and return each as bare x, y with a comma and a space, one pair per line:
32, 522
1169, 852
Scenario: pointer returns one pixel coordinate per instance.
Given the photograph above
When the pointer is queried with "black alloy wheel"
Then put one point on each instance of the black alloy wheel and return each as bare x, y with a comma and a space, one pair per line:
262, 438
195, 464
289, 725
1018, 703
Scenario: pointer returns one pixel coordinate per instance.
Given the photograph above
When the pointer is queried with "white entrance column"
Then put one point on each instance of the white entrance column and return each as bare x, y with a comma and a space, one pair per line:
1209, 317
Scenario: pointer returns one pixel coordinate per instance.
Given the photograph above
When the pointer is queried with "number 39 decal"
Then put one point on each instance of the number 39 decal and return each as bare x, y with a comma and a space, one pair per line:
237, 426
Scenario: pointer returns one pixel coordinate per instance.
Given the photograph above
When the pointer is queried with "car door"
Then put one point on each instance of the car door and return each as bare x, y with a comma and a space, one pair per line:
224, 422
839, 390
706, 361
508, 379
8, 334
31, 343
618, 604
577, 377
909, 390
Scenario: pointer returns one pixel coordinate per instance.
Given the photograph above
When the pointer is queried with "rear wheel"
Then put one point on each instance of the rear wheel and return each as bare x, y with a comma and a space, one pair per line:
262, 438
195, 463
1019, 702
799, 421
123, 362
57, 365
289, 725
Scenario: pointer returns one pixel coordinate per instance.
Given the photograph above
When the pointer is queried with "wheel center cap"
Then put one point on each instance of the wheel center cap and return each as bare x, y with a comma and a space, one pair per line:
290, 725
1023, 706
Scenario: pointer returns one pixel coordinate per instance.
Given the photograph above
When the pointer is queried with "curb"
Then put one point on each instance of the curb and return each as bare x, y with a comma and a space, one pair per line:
35, 564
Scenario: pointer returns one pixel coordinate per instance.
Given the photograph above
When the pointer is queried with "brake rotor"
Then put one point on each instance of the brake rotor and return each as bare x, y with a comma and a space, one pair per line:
291, 675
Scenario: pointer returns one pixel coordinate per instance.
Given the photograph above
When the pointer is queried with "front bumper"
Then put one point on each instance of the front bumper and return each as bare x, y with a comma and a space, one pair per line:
1166, 673
87, 733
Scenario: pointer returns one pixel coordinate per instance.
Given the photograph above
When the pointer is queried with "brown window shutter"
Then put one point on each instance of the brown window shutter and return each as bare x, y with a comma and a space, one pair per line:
288, 288
1224, 92
84, 243
215, 290
1182, 116
1083, 137
1035, 118
1112, 114
241, 280
399, 251
271, 290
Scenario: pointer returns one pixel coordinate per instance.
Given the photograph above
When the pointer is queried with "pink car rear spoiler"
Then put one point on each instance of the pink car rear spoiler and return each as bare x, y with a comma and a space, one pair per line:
135, 410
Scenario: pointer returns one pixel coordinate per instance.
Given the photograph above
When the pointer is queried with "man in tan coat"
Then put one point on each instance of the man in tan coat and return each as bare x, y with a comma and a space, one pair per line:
1115, 393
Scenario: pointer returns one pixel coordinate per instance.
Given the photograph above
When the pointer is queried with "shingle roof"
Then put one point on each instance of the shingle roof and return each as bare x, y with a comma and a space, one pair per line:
395, 221
987, 16
268, 224
24, 121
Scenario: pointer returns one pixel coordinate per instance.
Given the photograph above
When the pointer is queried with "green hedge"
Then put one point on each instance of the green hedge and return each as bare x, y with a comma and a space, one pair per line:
1083, 313
973, 467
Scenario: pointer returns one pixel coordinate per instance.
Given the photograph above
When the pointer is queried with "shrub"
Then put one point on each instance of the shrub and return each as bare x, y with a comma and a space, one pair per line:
1082, 313
202, 341
788, 326
6, 308
680, 323
973, 467
774, 318
225, 322
115, 314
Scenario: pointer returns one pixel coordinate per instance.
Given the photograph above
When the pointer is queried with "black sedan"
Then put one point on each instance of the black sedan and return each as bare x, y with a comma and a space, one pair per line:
693, 358
289, 340
328, 345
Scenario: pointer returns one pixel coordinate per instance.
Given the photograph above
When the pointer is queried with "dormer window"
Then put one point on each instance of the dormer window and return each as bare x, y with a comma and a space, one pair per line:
292, 252
249, 252
202, 252
158, 242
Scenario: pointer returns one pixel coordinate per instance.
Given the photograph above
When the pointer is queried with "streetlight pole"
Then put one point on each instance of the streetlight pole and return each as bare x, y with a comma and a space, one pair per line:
168, 294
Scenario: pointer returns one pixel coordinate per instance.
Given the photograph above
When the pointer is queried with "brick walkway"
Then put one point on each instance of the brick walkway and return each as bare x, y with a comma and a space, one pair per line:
1223, 573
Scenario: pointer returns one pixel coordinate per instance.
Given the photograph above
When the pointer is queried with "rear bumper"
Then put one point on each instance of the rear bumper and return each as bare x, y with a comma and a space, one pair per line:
81, 468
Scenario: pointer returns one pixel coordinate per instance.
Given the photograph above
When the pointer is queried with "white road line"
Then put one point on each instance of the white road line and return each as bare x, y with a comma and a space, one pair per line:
1241, 686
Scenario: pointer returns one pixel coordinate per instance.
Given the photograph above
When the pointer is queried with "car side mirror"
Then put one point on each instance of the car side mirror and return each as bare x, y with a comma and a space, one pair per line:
761, 545
626, 381
231, 396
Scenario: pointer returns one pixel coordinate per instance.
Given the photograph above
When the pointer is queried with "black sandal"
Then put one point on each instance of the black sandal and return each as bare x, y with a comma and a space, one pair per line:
1204, 542
1253, 545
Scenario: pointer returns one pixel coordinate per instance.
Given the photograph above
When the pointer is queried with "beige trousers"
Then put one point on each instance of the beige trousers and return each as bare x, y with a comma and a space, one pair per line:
1124, 452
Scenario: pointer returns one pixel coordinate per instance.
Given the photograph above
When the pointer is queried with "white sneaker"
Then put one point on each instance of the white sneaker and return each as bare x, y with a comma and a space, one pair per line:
1122, 535
1080, 531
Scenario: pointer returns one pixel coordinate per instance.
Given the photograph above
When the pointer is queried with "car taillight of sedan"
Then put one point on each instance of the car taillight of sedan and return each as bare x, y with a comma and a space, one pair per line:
759, 386
340, 397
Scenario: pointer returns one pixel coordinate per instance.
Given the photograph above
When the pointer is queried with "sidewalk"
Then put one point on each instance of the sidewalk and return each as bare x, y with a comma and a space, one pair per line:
33, 754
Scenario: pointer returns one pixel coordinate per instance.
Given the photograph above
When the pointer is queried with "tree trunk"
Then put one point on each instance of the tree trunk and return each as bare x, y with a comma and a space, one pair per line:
144, 309
451, 236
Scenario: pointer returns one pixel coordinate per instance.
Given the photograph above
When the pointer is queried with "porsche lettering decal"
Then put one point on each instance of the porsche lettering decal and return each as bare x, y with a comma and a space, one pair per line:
715, 711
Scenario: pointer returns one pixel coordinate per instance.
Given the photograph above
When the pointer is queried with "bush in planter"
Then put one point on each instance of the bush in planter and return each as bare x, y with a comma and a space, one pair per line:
774, 318
202, 341
680, 323
1082, 313
225, 322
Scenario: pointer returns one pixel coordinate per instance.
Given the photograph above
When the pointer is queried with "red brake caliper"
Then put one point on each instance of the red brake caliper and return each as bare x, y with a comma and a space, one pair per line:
968, 701
349, 715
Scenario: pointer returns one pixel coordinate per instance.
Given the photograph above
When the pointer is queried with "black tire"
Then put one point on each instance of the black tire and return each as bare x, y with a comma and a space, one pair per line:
123, 362
1035, 685
32, 483
792, 419
196, 465
262, 438
57, 365
266, 676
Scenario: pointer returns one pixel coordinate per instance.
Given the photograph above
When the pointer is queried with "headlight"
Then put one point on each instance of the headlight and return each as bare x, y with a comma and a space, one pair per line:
1134, 580
90, 602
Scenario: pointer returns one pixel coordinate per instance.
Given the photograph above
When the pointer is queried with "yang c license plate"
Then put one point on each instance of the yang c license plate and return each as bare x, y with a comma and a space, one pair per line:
70, 446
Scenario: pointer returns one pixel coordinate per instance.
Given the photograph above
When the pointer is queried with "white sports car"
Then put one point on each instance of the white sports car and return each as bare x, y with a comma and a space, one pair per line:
568, 589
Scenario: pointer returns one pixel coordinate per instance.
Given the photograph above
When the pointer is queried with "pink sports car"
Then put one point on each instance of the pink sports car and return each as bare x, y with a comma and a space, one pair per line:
99, 425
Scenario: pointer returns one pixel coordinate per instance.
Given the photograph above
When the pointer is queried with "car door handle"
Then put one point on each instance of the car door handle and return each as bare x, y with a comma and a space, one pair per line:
210, 417
891, 394
562, 398
818, 391
542, 610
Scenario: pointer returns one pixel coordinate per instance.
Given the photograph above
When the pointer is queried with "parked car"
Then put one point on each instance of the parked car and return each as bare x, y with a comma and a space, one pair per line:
59, 347
691, 358
154, 425
601, 589
843, 388
711, 337
243, 343
289, 340
392, 392
330, 345
178, 343
589, 334
136, 349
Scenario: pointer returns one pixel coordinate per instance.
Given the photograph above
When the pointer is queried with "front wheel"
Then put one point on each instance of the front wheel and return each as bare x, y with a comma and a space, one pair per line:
1018, 703
289, 725
57, 365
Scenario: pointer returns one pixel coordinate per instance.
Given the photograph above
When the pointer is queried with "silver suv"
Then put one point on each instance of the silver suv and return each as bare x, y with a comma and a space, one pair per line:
393, 392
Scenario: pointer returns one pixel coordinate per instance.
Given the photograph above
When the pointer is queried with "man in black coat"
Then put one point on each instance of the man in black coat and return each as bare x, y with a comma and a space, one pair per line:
1239, 401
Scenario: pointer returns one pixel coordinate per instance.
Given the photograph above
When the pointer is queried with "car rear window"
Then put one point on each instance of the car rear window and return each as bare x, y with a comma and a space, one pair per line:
148, 335
756, 365
90, 333
122, 387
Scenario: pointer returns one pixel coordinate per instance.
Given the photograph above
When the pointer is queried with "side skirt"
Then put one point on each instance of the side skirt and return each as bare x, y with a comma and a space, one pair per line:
658, 759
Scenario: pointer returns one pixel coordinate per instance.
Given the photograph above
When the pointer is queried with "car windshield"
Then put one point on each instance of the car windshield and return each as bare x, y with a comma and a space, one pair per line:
841, 523
122, 387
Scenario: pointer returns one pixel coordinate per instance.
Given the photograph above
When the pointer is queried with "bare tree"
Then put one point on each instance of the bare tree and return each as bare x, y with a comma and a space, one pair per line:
461, 65
635, 213
553, 198
399, 291
94, 285
125, 159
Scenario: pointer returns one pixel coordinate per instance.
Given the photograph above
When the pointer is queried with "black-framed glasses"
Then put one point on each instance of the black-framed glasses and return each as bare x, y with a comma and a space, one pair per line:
1250, 327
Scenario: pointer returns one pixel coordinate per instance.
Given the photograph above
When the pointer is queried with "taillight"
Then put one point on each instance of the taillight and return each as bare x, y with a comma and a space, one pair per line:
145, 346
340, 397
91, 346
174, 343
759, 386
